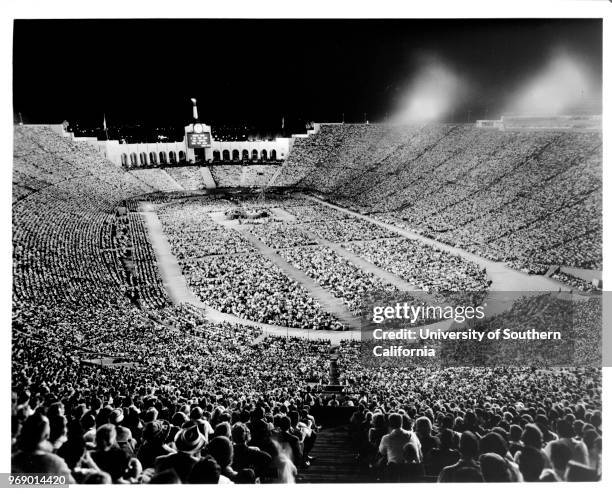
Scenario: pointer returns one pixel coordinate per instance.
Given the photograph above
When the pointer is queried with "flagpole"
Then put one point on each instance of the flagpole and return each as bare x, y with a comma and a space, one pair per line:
105, 128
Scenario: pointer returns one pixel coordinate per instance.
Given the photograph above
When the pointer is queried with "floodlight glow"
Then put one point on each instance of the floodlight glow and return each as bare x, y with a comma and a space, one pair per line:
559, 87
433, 93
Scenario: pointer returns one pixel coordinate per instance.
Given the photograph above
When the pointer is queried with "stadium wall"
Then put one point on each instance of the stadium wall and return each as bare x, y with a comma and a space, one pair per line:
159, 153
560, 122
280, 146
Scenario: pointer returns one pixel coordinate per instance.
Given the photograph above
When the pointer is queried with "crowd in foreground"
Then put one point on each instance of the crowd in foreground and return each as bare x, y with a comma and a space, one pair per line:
414, 425
196, 402
512, 443
110, 399
106, 389
150, 440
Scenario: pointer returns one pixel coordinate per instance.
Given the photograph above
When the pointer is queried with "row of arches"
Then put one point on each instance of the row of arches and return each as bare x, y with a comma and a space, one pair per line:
236, 155
144, 159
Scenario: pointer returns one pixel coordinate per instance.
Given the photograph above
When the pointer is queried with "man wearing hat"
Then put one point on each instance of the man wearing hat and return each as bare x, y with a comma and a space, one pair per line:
154, 438
124, 435
188, 442
196, 417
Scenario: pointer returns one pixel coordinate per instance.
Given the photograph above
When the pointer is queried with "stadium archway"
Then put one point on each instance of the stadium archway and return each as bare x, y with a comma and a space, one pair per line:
172, 156
245, 154
273, 154
163, 158
216, 156
124, 159
153, 158
143, 159
264, 154
181, 155
226, 155
254, 154
235, 154
133, 159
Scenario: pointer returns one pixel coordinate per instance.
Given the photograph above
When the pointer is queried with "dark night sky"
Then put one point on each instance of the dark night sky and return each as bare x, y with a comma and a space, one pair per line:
258, 70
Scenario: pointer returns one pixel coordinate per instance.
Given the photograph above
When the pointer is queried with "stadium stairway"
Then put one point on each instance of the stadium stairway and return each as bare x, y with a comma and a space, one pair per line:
552, 270
335, 461
207, 177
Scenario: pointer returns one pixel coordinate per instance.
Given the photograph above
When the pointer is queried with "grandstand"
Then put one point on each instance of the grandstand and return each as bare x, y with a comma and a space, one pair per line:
188, 177
157, 179
490, 192
487, 191
213, 376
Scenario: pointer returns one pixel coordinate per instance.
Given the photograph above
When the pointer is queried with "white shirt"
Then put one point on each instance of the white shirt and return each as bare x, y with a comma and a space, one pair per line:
392, 445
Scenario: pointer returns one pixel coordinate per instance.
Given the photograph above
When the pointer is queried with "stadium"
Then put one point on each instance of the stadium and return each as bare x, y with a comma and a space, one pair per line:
191, 311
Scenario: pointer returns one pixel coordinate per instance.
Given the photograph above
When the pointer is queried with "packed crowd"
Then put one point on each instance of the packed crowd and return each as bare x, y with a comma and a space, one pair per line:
181, 399
193, 382
236, 175
480, 425
227, 175
281, 235
423, 266
248, 286
142, 266
531, 198
74, 255
347, 230
258, 175
459, 415
340, 277
189, 177
42, 158
271, 200
307, 211
253, 287
193, 234
70, 243
186, 393
157, 179
577, 321
334, 225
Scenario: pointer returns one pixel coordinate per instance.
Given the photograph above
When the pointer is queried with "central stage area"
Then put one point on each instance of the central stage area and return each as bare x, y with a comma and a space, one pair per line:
317, 256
